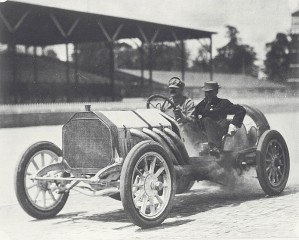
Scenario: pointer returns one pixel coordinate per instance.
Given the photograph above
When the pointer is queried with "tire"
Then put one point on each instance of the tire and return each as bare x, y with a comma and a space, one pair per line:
147, 184
33, 195
115, 196
272, 162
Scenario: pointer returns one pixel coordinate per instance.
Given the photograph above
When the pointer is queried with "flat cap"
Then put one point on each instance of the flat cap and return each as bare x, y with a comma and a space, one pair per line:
175, 82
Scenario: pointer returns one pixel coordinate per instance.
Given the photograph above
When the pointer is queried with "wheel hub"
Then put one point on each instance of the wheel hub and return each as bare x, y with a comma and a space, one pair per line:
152, 185
43, 185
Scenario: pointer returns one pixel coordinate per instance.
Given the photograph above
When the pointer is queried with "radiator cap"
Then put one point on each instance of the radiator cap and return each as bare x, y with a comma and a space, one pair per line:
87, 107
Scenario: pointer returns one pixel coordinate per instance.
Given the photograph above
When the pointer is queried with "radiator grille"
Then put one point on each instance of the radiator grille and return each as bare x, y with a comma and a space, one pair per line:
87, 143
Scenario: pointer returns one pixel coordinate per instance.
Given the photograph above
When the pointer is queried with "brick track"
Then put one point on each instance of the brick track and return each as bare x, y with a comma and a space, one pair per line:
207, 211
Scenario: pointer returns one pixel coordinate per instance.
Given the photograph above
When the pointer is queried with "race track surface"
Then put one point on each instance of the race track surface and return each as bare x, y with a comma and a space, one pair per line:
207, 211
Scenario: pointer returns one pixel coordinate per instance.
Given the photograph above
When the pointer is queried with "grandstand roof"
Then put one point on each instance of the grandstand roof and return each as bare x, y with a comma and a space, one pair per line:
296, 13
44, 24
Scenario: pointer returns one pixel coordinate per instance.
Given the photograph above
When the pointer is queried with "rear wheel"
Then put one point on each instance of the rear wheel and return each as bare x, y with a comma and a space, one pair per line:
147, 184
273, 162
39, 198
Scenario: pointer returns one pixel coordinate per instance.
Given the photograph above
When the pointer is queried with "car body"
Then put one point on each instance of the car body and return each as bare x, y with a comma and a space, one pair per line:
142, 157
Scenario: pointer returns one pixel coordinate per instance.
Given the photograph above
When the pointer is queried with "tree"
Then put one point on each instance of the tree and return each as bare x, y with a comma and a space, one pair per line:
277, 58
127, 56
202, 61
167, 57
51, 53
234, 57
94, 57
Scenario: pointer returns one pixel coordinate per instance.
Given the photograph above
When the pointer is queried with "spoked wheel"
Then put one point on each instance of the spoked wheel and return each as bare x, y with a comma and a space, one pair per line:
147, 184
39, 198
273, 162
159, 102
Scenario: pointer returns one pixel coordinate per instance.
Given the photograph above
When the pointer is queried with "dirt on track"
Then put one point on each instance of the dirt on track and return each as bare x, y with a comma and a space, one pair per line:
207, 211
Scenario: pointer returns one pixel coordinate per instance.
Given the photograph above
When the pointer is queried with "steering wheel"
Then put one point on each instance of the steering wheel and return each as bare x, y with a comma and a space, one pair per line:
160, 102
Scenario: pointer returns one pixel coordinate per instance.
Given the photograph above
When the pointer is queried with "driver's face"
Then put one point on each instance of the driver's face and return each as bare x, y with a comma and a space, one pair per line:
176, 92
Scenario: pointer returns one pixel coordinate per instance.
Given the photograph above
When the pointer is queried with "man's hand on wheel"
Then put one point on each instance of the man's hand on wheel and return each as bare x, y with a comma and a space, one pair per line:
232, 129
179, 116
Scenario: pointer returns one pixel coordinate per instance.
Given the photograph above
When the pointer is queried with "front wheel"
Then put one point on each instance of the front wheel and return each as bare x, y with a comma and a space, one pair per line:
147, 184
273, 162
39, 198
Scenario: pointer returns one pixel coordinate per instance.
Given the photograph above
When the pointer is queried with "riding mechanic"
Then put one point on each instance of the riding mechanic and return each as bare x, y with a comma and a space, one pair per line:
213, 121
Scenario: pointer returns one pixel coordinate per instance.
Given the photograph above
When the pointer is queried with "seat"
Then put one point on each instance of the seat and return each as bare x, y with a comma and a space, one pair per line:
252, 136
237, 142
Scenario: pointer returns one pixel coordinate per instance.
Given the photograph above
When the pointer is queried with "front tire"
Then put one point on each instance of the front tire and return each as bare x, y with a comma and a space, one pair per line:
273, 162
37, 197
147, 184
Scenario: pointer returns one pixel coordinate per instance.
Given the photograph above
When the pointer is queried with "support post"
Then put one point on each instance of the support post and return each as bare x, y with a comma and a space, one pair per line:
150, 66
67, 63
76, 63
183, 59
111, 40
142, 63
14, 62
150, 57
66, 35
14, 72
67, 67
34, 65
211, 59
112, 66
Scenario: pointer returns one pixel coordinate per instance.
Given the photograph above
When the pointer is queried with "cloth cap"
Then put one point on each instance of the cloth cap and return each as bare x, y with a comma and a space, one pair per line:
210, 86
175, 82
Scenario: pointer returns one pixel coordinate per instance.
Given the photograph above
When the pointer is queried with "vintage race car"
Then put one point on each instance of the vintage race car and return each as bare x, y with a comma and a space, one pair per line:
143, 158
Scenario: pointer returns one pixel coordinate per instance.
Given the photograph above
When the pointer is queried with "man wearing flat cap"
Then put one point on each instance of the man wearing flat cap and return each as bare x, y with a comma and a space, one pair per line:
184, 105
213, 121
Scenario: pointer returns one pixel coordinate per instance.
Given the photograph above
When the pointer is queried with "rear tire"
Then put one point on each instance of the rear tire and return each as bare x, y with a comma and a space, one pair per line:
147, 184
272, 162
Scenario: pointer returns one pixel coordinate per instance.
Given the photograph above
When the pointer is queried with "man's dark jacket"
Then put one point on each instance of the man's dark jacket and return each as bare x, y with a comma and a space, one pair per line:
218, 109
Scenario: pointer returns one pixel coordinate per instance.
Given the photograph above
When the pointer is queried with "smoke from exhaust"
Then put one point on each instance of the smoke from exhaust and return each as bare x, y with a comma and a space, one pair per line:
224, 174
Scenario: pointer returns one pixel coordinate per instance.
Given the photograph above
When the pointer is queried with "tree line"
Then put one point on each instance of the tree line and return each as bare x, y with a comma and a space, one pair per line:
234, 57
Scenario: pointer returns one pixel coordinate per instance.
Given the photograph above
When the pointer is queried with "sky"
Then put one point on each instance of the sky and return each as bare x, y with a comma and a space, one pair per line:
258, 21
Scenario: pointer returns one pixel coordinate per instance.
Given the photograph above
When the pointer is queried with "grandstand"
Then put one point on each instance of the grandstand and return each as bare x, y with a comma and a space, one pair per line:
31, 78
45, 23
50, 84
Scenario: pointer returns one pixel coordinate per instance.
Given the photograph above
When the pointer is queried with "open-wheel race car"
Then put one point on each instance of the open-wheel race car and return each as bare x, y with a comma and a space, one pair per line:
143, 158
